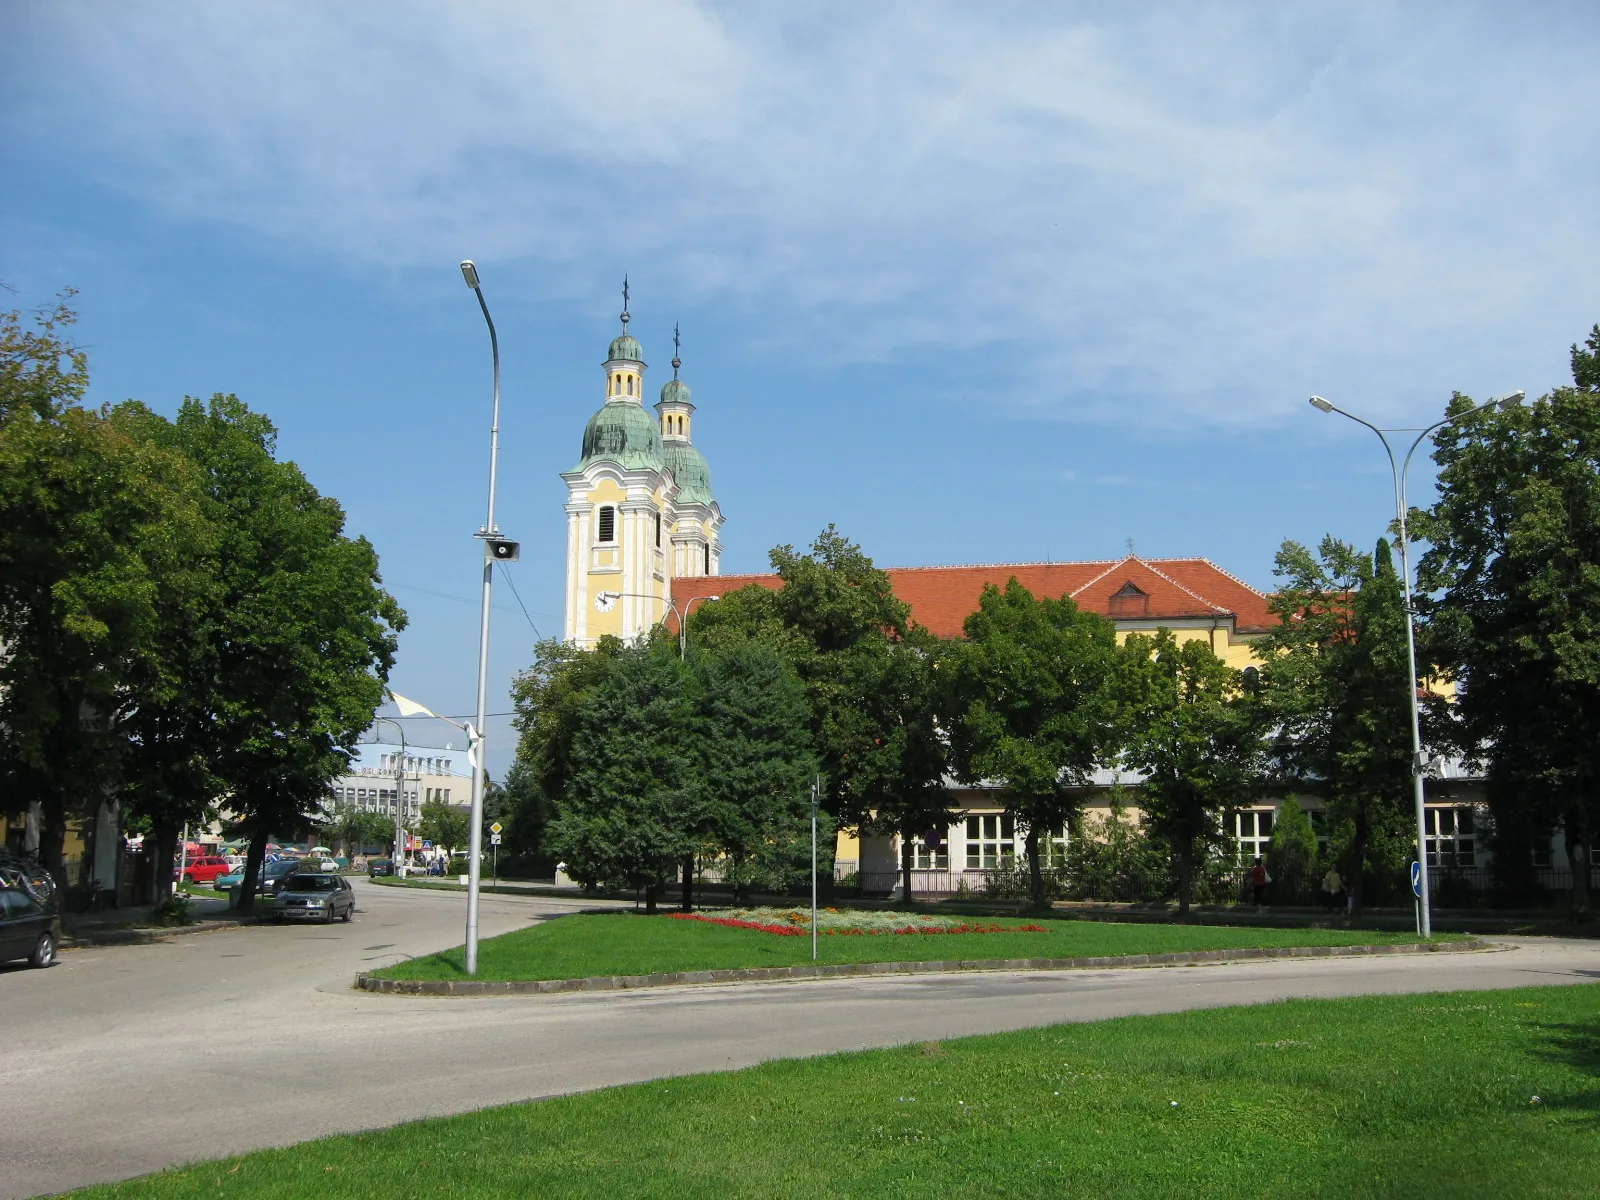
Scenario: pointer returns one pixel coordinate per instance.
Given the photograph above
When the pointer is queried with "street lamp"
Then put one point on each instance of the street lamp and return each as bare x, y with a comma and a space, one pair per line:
399, 794
683, 617
494, 547
1419, 764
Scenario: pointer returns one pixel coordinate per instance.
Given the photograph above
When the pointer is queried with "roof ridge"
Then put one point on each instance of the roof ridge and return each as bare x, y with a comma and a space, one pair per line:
1191, 591
1110, 567
1224, 571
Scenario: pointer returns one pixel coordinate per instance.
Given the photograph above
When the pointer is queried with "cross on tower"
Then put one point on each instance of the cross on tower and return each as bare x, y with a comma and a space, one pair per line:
676, 361
625, 317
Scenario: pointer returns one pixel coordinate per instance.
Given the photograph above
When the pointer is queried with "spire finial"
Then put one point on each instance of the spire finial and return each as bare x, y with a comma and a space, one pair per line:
625, 317
1130, 547
676, 361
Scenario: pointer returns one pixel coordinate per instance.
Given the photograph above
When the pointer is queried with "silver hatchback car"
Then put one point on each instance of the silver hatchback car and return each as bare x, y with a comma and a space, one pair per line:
307, 897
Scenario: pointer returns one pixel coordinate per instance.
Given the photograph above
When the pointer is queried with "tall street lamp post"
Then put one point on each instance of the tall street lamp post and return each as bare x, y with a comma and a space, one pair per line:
1419, 764
683, 616
494, 547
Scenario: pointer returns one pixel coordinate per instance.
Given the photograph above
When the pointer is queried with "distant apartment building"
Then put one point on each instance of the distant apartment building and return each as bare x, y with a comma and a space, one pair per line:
381, 769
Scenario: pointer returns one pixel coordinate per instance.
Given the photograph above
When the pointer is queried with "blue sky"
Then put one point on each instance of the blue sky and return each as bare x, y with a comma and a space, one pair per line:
977, 283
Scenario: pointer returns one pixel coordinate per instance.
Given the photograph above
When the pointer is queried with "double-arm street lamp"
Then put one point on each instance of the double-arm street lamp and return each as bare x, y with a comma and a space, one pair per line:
399, 796
1419, 765
683, 616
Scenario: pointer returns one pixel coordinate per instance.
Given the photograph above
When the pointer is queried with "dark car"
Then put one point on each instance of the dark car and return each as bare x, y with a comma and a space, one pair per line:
308, 897
380, 866
274, 873
28, 929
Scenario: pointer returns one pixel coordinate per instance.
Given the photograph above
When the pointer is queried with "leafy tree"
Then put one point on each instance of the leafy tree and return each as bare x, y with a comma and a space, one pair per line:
753, 767
445, 825
303, 633
1292, 856
1335, 684
352, 826
1196, 739
1513, 577
622, 820
99, 529
1038, 695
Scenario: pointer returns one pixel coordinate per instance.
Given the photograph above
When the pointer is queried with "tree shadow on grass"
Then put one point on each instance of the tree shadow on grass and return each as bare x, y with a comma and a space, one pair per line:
1576, 1045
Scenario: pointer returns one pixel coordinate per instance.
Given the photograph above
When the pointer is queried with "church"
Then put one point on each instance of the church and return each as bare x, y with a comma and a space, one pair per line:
640, 513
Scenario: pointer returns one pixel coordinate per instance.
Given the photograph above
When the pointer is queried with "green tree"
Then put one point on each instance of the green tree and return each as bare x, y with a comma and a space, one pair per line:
1512, 588
1196, 739
623, 820
752, 763
445, 825
304, 635
1335, 685
1038, 697
351, 827
99, 528
1292, 856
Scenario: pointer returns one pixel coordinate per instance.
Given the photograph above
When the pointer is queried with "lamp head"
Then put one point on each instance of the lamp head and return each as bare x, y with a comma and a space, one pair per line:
1511, 399
469, 272
1319, 403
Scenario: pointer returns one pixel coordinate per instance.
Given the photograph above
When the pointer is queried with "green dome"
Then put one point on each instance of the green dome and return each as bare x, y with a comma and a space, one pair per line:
689, 470
675, 391
625, 346
623, 433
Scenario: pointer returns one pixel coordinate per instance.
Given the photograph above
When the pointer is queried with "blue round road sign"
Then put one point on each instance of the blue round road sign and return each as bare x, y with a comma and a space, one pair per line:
1416, 880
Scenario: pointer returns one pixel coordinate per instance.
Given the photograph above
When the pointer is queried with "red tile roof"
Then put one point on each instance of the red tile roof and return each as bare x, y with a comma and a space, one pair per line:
1134, 588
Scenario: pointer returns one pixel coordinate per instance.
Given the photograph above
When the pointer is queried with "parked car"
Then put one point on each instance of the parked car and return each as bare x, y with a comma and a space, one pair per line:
28, 929
307, 896
380, 866
272, 875
205, 869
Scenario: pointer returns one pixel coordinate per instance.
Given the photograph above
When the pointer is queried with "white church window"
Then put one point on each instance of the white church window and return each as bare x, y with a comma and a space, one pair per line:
608, 524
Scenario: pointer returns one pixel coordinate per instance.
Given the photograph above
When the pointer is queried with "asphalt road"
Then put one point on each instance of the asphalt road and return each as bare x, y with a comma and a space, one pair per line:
123, 1060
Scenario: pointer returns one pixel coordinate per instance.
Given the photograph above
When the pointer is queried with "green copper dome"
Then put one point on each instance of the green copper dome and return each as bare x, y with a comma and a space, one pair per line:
623, 433
675, 391
625, 346
689, 470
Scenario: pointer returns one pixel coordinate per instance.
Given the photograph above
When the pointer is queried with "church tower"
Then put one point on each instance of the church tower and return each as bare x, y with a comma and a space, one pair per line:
639, 505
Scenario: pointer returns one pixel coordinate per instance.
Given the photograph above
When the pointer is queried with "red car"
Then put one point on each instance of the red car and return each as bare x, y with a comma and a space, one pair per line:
204, 870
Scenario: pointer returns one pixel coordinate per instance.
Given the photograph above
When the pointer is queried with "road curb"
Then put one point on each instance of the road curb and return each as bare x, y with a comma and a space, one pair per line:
618, 983
143, 935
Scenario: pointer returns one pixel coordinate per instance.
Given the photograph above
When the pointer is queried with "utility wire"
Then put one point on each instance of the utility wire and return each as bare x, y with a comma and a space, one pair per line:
506, 575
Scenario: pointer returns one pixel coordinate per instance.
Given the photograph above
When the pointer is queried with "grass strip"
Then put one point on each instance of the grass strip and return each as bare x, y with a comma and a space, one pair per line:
1461, 1094
625, 943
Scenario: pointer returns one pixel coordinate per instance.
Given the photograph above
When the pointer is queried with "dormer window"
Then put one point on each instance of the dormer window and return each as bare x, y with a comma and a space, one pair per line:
1128, 601
608, 524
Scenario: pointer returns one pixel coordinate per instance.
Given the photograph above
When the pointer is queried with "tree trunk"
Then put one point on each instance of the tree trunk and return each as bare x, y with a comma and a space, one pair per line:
741, 884
1358, 857
1577, 843
163, 858
53, 848
1185, 875
245, 897
1030, 843
906, 861
688, 883
650, 899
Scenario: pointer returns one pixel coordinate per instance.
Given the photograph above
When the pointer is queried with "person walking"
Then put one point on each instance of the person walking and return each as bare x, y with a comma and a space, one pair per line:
1259, 880
1332, 885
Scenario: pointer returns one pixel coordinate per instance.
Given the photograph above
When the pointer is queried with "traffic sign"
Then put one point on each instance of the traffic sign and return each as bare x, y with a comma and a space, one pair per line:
1416, 880
494, 839
496, 828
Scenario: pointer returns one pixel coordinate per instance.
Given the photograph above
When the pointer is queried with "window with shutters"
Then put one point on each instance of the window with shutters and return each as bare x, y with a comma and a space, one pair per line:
608, 524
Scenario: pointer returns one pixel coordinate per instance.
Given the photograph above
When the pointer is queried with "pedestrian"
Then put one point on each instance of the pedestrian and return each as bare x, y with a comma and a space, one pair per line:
1332, 885
1259, 880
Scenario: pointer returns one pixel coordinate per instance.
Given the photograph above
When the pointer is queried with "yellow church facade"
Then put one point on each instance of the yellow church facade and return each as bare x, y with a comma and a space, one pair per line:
640, 513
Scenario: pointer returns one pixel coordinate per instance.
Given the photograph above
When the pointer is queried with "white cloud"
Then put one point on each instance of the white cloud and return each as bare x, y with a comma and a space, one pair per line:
1173, 215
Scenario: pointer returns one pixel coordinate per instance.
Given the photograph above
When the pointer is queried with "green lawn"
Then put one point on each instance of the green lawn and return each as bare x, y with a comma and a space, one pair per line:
626, 943
1415, 1096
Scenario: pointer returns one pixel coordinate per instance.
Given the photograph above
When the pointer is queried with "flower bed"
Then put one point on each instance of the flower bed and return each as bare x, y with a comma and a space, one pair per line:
836, 923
